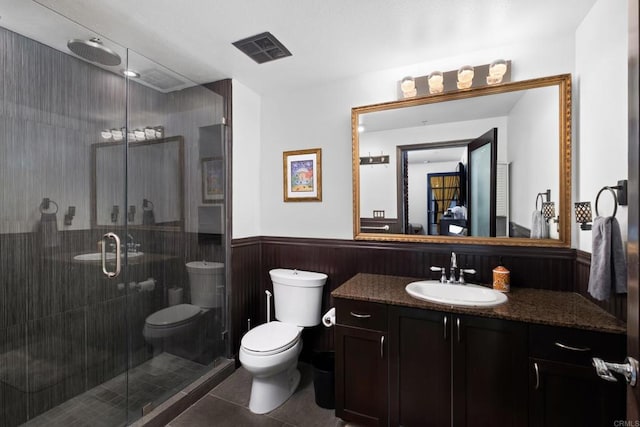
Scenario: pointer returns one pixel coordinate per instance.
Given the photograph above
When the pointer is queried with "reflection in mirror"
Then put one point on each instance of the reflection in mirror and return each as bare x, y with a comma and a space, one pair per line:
465, 166
155, 184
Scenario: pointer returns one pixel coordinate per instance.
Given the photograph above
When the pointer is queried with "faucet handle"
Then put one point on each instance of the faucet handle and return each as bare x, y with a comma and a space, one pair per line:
443, 274
465, 270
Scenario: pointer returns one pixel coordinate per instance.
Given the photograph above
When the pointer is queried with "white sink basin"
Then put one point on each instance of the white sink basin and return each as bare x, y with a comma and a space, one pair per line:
458, 295
97, 256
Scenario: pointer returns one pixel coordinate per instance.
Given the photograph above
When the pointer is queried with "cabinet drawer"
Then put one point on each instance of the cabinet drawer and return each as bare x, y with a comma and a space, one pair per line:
361, 314
575, 345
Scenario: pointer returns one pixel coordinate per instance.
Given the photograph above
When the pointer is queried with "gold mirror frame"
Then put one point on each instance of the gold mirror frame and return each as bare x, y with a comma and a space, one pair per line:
563, 82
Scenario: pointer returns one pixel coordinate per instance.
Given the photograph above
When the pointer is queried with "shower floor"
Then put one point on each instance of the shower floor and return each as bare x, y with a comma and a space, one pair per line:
106, 404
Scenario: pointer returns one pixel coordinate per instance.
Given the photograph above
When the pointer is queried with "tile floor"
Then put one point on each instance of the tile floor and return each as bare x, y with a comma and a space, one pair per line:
227, 405
106, 404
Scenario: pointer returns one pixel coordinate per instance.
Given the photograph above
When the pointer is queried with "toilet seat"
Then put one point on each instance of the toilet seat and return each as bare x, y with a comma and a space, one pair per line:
172, 316
270, 338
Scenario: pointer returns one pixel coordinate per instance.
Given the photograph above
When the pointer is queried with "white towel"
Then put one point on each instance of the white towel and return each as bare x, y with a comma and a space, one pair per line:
608, 264
539, 226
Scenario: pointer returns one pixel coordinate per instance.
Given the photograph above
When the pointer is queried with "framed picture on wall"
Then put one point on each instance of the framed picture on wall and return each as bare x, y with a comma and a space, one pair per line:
302, 175
212, 180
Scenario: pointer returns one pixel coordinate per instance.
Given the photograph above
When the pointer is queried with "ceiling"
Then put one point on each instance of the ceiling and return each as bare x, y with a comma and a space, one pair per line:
328, 39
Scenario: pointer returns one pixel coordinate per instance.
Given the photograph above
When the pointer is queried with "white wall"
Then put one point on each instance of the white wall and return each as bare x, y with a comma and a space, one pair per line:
600, 154
533, 166
246, 162
319, 117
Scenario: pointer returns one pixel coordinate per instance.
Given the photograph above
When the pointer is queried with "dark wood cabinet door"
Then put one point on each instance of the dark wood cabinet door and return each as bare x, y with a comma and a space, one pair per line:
563, 394
361, 376
419, 368
489, 372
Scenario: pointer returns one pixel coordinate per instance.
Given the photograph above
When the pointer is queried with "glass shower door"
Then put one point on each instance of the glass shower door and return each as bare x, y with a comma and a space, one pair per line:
62, 323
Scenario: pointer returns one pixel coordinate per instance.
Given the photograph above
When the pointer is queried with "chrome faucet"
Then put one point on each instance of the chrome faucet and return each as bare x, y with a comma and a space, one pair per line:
453, 268
132, 246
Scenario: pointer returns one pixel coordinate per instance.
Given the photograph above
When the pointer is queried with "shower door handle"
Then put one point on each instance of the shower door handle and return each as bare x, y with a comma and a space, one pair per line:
110, 274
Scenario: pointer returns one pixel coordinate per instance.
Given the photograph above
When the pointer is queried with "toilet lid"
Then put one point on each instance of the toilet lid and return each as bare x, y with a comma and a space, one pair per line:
270, 336
173, 315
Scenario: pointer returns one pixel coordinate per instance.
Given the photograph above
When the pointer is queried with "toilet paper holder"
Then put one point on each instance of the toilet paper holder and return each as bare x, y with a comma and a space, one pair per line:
329, 318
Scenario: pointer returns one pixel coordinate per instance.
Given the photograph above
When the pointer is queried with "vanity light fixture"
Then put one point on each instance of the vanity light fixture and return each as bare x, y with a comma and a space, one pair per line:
436, 82
361, 128
583, 214
408, 87
465, 77
497, 70
131, 74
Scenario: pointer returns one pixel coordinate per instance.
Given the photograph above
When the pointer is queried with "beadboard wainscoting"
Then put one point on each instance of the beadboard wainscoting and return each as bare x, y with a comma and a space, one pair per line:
558, 269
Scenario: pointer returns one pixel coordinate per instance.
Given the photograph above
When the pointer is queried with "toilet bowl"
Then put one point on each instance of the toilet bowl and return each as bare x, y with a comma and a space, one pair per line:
270, 351
178, 329
177, 319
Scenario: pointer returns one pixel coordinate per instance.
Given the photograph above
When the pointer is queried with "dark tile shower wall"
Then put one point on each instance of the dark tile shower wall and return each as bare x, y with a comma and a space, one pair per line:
63, 326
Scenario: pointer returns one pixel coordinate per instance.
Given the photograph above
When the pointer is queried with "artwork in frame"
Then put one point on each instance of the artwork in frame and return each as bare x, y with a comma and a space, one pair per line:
212, 180
302, 175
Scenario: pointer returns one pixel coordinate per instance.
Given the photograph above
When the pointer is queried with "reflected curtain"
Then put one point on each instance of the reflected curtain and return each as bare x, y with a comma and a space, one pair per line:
444, 190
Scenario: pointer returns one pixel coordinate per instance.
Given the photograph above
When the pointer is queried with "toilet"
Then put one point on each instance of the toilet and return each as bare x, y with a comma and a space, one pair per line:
177, 329
269, 352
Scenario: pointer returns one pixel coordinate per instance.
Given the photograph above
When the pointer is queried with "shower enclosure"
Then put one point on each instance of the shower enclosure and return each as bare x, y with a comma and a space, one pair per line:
86, 152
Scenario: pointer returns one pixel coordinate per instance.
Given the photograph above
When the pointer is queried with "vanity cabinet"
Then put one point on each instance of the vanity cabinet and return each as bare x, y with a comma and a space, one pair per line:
452, 369
361, 362
563, 386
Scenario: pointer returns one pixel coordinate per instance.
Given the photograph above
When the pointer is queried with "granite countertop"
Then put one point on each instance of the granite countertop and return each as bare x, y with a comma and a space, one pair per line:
528, 305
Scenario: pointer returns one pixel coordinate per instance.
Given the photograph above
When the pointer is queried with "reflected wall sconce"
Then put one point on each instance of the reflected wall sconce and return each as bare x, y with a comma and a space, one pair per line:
131, 214
148, 217
465, 77
436, 82
548, 210
584, 215
408, 87
68, 217
115, 211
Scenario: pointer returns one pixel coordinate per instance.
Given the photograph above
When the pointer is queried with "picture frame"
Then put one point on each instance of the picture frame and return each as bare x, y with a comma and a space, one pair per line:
302, 175
212, 180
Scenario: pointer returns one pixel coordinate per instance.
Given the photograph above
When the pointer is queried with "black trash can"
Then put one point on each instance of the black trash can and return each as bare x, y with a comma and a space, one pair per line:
324, 379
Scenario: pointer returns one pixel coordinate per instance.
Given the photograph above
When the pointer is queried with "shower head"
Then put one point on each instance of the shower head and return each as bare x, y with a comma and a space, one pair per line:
93, 50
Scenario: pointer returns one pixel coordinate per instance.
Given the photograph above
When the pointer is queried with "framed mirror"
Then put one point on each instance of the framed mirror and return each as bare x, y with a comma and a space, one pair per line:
470, 166
155, 184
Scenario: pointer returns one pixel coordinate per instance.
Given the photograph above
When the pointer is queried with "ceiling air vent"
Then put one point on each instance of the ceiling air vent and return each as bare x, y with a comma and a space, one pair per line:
262, 48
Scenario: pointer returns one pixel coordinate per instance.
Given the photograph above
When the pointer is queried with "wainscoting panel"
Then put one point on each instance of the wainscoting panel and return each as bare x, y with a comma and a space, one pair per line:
617, 305
542, 268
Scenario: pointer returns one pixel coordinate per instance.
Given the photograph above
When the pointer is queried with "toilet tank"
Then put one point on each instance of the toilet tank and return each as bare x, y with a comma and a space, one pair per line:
206, 283
297, 296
